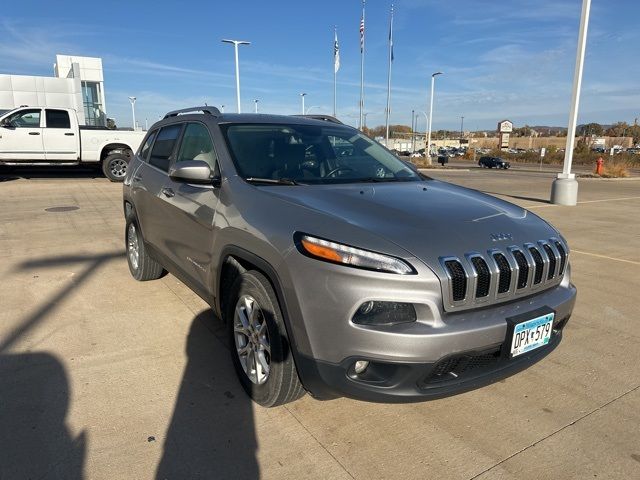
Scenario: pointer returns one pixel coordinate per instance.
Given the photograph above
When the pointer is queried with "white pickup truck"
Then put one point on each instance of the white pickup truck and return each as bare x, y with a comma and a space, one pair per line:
52, 136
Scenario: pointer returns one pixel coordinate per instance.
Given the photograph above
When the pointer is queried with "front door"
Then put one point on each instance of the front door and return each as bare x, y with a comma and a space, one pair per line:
190, 211
21, 136
60, 141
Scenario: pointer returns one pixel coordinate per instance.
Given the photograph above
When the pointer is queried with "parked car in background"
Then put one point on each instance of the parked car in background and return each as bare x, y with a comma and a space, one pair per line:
52, 136
493, 162
342, 275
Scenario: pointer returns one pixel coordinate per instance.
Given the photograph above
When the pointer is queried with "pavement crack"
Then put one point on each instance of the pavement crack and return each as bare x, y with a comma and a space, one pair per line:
319, 442
597, 409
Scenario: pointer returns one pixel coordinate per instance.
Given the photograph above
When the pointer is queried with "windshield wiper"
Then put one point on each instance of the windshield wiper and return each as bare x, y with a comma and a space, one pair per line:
272, 181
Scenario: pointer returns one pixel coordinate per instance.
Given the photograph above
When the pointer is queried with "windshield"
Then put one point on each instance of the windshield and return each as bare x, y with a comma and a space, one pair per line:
311, 154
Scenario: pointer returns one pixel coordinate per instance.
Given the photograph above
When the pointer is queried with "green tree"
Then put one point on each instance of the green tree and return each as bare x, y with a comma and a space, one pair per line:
591, 129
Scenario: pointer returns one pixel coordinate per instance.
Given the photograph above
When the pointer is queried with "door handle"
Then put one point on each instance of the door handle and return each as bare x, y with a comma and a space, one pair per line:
34, 133
168, 192
70, 134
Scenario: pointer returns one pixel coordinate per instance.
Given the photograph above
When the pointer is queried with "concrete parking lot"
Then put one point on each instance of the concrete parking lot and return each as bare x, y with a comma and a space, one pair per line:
102, 377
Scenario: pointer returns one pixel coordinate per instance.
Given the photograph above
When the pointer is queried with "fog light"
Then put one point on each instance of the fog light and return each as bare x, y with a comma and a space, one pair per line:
384, 313
361, 366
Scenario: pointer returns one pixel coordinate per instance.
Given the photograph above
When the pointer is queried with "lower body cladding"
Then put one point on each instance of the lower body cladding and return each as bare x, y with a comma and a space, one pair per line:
428, 354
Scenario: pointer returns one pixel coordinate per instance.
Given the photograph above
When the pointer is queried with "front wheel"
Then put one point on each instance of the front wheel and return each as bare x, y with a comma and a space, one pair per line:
115, 166
260, 348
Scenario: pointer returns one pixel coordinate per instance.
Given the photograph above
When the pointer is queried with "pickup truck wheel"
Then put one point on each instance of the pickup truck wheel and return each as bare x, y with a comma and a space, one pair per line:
141, 265
259, 343
115, 166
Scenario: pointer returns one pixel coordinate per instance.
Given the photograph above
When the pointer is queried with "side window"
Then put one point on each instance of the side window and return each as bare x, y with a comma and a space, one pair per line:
25, 119
197, 145
163, 146
57, 119
144, 150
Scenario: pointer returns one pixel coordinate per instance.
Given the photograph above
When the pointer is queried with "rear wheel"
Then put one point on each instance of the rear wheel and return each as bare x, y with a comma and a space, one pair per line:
141, 265
115, 166
259, 343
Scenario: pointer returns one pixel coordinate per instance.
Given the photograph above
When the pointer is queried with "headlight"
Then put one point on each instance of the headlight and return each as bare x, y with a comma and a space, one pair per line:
355, 257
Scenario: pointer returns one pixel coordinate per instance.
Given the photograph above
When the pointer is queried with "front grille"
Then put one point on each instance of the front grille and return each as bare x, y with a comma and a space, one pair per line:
552, 261
523, 268
475, 278
459, 366
458, 279
504, 270
484, 276
563, 256
537, 259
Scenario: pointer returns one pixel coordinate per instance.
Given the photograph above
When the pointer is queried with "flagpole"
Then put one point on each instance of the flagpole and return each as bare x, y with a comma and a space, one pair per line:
362, 27
389, 78
335, 70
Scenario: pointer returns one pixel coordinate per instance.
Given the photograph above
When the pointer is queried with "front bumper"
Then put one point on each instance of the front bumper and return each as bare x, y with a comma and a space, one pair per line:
440, 354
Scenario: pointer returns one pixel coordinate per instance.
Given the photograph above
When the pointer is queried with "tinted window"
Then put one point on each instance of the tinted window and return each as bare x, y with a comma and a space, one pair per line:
25, 119
197, 145
58, 119
312, 154
163, 146
144, 150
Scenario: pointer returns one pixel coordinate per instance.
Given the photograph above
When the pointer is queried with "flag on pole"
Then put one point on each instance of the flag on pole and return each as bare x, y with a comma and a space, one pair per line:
391, 33
362, 32
336, 53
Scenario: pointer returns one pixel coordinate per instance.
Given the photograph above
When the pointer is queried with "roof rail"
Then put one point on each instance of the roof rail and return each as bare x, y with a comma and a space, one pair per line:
325, 118
205, 109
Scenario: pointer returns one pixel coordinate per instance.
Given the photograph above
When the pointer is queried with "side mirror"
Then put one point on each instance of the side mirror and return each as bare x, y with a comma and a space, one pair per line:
193, 171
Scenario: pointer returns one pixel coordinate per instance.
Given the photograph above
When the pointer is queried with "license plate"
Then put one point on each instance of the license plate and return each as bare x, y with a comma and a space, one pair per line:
531, 334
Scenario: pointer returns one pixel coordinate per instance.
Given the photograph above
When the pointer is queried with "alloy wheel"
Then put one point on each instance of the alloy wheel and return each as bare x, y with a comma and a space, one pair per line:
252, 339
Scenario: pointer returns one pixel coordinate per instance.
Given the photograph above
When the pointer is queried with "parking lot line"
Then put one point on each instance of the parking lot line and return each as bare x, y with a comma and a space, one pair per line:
585, 201
605, 257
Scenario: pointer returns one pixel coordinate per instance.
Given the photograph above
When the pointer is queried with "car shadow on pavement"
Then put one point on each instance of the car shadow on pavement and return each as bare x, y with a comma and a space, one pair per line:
211, 434
34, 440
63, 172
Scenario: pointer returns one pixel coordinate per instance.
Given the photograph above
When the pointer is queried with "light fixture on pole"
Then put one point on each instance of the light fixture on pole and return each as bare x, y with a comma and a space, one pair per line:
428, 148
255, 104
302, 95
221, 108
564, 190
235, 47
133, 110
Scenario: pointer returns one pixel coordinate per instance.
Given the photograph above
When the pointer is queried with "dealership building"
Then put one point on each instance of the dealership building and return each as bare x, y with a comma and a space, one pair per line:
78, 83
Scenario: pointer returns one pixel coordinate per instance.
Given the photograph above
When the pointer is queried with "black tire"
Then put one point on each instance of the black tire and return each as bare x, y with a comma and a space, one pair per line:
115, 167
145, 268
281, 384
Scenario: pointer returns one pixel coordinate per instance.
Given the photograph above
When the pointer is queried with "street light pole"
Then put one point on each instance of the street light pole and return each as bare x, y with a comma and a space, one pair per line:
428, 148
302, 95
255, 104
235, 47
461, 129
564, 190
133, 110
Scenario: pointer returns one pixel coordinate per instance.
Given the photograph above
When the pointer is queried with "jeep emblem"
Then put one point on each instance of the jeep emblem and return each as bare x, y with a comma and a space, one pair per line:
500, 237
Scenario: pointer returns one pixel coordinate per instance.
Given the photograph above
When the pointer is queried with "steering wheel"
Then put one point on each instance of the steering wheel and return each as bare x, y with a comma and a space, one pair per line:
339, 169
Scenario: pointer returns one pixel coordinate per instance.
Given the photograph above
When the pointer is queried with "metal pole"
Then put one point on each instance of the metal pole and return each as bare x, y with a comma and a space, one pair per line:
388, 111
255, 103
461, 129
413, 130
362, 27
564, 190
302, 95
336, 60
236, 43
433, 81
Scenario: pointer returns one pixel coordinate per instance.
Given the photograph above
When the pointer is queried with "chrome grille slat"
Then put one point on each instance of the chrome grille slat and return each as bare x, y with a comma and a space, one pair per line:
498, 275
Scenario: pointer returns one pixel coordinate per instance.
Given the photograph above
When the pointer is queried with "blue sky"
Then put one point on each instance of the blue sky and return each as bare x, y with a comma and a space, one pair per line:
501, 59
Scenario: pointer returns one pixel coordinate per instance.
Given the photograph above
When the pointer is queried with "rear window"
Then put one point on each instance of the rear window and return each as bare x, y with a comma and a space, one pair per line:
144, 150
58, 119
163, 146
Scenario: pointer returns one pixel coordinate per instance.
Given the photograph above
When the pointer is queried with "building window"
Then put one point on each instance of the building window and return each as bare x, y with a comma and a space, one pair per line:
93, 110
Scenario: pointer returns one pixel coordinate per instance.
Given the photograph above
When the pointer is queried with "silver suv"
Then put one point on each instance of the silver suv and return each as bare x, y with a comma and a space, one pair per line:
339, 269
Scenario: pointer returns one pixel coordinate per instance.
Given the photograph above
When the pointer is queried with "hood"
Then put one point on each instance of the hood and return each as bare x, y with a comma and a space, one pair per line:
428, 219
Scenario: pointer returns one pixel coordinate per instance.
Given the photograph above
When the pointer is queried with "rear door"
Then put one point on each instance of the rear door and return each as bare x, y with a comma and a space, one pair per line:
61, 141
189, 210
21, 136
148, 180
